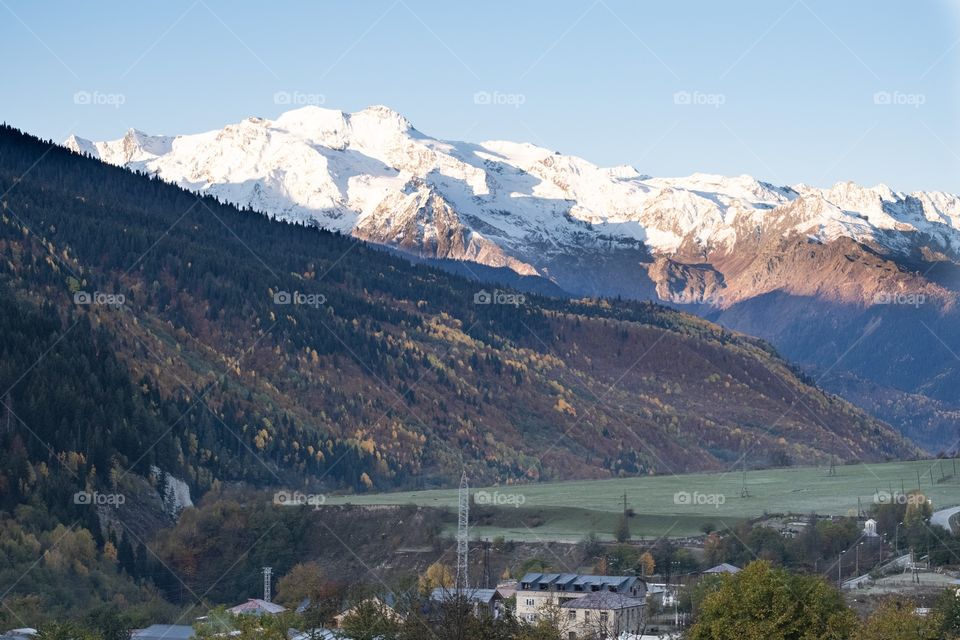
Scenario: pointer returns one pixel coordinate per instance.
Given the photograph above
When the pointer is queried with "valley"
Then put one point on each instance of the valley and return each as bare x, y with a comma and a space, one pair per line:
667, 506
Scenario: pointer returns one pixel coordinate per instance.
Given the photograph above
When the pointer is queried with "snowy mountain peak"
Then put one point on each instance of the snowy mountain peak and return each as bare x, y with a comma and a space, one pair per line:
371, 174
81, 145
385, 115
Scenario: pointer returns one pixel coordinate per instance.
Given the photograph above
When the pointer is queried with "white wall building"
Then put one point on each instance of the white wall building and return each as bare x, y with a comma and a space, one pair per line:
583, 604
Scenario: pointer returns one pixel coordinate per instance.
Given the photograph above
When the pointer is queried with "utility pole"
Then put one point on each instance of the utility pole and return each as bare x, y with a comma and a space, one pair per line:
487, 571
744, 492
8, 406
840, 569
267, 573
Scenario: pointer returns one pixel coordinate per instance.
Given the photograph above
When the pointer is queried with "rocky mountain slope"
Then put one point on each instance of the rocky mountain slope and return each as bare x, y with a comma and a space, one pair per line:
840, 263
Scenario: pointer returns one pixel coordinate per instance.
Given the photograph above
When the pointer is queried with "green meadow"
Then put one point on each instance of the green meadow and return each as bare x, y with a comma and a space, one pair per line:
681, 505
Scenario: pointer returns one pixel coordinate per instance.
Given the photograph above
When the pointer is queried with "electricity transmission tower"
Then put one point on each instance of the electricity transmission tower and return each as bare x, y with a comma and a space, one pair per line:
463, 540
267, 573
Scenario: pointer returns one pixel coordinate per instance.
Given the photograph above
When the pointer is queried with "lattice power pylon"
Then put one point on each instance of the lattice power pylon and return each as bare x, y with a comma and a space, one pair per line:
267, 573
463, 537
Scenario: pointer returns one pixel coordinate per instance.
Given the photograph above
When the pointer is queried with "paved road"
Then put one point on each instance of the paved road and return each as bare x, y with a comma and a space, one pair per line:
943, 516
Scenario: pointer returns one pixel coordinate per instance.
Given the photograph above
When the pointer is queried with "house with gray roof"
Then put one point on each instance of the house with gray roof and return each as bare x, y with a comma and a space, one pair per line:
163, 632
602, 614
723, 567
484, 601
602, 598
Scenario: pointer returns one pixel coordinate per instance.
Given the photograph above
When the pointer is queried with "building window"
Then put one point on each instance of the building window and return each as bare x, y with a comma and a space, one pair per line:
572, 614
530, 602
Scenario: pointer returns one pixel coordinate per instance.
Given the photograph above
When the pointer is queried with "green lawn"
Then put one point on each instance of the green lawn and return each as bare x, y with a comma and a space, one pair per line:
569, 510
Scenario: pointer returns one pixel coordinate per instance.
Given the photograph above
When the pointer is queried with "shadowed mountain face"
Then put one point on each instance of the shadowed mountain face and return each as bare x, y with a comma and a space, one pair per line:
267, 352
812, 270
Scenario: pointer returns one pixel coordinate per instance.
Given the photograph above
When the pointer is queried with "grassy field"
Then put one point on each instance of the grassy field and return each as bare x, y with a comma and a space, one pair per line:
676, 506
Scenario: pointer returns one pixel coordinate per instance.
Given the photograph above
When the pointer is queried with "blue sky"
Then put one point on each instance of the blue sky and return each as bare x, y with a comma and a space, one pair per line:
806, 91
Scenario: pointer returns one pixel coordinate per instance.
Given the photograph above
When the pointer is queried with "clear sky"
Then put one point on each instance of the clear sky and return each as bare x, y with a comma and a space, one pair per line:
794, 91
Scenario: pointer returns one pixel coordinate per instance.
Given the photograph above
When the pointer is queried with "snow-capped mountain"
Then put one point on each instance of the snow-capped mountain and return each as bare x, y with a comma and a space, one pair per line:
506, 204
858, 282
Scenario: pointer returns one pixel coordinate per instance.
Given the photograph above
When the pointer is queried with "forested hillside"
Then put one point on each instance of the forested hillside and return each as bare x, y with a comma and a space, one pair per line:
191, 356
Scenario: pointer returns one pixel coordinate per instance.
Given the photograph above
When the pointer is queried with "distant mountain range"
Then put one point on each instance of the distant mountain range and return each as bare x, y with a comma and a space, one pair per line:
859, 284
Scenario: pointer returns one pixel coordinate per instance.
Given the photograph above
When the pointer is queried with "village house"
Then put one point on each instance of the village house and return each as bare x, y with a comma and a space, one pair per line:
722, 568
257, 607
383, 605
584, 604
602, 614
163, 632
484, 602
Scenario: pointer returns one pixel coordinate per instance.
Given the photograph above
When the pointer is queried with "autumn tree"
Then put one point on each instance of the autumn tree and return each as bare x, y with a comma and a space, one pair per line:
763, 603
436, 575
371, 620
896, 618
304, 580
647, 564
947, 609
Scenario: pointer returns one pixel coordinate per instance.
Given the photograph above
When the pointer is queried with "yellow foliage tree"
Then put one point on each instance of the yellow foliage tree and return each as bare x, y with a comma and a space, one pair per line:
436, 575
647, 564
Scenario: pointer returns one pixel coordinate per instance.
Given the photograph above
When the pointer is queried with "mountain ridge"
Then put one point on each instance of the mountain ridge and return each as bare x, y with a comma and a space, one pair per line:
396, 372
334, 168
717, 246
